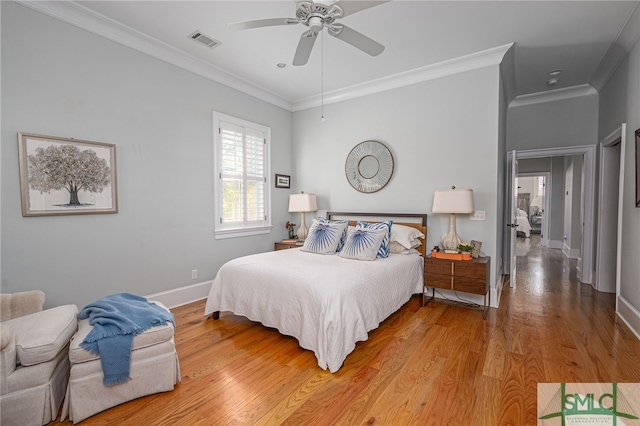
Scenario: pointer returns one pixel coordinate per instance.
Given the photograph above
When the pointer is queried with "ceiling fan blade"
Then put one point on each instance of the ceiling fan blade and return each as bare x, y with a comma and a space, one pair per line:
304, 48
356, 39
350, 6
246, 25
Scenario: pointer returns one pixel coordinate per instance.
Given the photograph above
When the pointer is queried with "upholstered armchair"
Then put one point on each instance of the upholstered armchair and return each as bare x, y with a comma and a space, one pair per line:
34, 357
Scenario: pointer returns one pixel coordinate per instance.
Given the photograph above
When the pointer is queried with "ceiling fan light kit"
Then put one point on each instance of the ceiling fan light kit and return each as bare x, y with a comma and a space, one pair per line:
318, 16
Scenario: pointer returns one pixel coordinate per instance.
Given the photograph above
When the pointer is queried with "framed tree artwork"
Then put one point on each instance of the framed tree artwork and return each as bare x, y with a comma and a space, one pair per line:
60, 176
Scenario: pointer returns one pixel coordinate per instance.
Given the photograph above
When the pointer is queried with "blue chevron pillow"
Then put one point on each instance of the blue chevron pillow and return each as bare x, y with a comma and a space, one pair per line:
323, 238
384, 247
363, 243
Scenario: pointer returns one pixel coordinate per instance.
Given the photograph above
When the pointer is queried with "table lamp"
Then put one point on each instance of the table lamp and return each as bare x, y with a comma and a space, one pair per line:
302, 203
453, 201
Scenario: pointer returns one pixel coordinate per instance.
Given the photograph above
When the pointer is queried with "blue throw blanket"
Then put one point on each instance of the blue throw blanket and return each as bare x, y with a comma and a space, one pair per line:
116, 319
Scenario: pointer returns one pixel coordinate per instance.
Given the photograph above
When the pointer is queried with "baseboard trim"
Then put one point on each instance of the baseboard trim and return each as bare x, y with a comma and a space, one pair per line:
182, 295
496, 291
629, 315
555, 244
569, 252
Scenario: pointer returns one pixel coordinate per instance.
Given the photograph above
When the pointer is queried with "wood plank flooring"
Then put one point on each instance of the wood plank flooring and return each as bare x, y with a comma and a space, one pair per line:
441, 364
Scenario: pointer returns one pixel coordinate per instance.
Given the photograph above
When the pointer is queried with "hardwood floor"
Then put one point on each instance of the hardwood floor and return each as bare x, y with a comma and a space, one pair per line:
441, 364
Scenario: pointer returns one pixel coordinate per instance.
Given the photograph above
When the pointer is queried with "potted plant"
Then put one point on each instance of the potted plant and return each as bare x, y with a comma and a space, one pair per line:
465, 249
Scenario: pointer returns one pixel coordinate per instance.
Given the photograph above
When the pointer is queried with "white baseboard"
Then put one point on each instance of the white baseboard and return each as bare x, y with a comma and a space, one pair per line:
555, 244
630, 315
569, 252
496, 291
182, 295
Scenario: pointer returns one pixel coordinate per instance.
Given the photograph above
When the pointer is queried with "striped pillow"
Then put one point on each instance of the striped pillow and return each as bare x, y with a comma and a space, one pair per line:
383, 251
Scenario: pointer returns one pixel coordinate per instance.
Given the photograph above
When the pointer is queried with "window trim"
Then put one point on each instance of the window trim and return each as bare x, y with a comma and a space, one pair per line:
221, 233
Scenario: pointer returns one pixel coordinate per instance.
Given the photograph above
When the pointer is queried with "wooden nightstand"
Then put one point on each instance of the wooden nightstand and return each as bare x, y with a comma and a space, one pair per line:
284, 246
469, 276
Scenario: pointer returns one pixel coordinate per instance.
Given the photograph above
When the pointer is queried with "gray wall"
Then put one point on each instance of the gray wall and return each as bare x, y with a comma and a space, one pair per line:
559, 123
613, 101
441, 133
556, 203
630, 273
534, 165
620, 102
62, 81
572, 223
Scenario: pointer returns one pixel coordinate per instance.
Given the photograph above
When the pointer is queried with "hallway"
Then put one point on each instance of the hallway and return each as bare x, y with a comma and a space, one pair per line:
569, 331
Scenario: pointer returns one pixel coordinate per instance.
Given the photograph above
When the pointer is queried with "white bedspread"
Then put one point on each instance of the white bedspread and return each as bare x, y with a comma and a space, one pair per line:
523, 225
327, 302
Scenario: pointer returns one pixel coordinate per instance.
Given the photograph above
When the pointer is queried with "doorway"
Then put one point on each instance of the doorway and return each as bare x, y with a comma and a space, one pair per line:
587, 153
533, 206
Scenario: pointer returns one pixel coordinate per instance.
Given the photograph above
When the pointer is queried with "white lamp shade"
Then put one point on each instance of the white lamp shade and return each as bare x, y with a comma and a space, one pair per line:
303, 203
453, 201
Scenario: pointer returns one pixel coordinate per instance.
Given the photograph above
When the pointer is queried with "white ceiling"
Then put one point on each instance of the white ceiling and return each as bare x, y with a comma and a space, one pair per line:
583, 38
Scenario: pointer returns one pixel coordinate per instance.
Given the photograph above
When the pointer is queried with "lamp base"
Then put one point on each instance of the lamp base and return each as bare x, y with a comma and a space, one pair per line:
302, 230
451, 241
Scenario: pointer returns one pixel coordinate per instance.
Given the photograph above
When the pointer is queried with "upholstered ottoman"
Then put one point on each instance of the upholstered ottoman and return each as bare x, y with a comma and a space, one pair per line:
154, 368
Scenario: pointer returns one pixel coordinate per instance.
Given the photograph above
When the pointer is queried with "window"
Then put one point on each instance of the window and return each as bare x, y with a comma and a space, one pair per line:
241, 160
539, 190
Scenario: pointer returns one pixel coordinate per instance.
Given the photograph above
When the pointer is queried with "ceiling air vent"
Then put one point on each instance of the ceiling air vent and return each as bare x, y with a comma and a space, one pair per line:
206, 40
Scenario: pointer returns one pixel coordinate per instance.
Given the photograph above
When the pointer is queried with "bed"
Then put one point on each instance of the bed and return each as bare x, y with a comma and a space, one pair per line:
327, 302
522, 222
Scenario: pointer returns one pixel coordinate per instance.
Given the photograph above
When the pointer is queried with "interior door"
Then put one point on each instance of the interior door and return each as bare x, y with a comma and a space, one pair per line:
512, 197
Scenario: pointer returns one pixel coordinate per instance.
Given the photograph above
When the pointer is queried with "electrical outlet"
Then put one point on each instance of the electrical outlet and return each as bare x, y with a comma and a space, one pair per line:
194, 274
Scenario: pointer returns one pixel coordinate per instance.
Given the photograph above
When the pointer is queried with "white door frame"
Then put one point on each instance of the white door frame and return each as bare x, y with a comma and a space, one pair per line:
615, 137
512, 199
588, 201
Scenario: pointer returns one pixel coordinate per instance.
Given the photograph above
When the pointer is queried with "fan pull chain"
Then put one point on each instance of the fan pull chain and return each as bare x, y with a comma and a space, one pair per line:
322, 75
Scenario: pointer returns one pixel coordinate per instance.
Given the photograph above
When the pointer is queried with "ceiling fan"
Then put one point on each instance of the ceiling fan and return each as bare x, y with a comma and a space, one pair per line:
317, 16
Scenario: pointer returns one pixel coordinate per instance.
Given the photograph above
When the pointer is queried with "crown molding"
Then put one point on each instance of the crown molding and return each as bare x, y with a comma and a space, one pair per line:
461, 64
621, 46
553, 95
86, 19
81, 17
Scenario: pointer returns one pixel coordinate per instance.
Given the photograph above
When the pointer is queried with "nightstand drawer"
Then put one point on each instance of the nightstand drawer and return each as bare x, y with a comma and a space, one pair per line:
285, 246
470, 285
439, 266
470, 269
438, 280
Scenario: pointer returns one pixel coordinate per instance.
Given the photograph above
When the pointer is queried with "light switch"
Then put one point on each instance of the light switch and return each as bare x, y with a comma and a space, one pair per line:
477, 215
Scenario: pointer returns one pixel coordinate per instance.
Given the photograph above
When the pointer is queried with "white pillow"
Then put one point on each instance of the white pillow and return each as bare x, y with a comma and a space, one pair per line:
405, 235
397, 248
323, 238
363, 243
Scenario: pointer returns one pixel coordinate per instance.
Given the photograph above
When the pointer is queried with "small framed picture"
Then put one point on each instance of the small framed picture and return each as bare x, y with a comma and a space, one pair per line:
475, 253
283, 181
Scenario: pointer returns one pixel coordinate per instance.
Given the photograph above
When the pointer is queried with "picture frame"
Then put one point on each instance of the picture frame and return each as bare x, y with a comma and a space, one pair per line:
283, 181
475, 253
638, 168
66, 176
